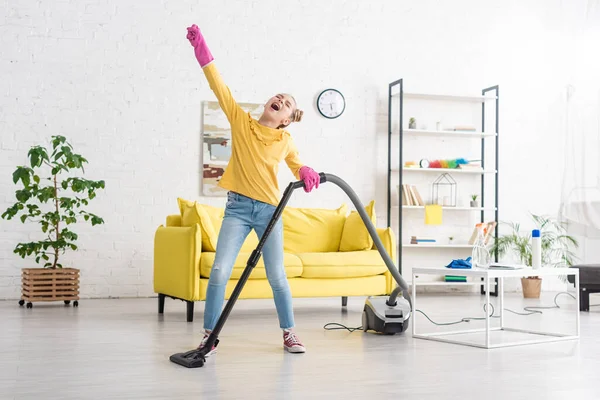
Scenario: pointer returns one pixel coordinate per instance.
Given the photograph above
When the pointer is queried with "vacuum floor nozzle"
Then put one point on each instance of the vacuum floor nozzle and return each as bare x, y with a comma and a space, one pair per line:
190, 359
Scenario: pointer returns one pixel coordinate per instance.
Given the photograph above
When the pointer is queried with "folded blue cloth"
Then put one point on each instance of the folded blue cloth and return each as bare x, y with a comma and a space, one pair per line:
460, 264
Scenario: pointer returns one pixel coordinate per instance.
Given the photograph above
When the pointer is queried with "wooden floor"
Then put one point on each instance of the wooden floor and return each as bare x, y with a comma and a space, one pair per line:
119, 349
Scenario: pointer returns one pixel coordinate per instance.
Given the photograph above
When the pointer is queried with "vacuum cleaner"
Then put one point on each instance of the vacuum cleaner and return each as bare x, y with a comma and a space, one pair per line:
383, 315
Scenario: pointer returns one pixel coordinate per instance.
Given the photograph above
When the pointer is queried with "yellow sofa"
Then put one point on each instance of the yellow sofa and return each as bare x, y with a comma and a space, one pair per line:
326, 253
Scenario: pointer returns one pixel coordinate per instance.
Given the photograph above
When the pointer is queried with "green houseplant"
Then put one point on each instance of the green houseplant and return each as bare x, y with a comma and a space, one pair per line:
50, 197
557, 248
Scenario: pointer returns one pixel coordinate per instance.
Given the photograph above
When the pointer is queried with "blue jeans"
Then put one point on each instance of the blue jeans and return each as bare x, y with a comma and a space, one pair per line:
242, 214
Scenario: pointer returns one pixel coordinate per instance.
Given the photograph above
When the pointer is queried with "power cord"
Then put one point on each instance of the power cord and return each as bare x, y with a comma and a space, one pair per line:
530, 310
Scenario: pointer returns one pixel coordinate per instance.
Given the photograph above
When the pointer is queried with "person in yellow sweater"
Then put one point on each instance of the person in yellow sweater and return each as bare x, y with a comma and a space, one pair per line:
258, 147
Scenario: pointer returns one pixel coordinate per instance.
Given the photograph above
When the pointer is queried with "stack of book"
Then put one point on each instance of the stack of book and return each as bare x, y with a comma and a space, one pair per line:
411, 196
416, 240
452, 278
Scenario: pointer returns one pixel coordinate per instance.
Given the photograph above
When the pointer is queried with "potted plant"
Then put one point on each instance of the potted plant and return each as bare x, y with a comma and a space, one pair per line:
50, 197
450, 239
412, 123
474, 200
556, 249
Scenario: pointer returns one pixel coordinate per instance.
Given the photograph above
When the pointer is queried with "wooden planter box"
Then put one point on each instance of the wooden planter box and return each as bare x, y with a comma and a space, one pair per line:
43, 284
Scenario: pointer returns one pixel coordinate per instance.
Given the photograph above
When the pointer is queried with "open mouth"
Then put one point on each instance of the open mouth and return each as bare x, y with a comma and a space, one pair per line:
275, 106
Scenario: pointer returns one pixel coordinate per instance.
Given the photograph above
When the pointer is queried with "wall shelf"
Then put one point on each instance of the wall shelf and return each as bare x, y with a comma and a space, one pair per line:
449, 208
460, 134
438, 246
449, 170
445, 97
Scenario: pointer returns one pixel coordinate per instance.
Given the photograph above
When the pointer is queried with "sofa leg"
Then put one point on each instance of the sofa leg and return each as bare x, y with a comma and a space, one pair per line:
161, 303
190, 311
584, 300
344, 301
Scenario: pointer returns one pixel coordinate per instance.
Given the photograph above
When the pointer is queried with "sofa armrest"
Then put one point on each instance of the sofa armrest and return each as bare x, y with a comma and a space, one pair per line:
389, 242
174, 220
177, 253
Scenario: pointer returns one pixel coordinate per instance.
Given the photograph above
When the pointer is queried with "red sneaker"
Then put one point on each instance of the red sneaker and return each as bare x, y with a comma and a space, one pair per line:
203, 342
291, 342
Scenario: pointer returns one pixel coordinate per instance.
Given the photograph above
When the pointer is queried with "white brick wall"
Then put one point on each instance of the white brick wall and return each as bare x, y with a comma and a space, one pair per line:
119, 79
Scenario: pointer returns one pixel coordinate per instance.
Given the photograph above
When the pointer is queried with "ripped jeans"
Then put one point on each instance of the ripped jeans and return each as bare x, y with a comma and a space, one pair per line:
242, 214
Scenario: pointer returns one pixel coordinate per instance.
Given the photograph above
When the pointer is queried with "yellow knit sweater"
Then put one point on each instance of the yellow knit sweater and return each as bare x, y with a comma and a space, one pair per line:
256, 150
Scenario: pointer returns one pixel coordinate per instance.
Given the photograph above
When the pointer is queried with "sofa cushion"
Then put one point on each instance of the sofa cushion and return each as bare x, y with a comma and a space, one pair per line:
355, 236
210, 219
349, 264
291, 263
308, 230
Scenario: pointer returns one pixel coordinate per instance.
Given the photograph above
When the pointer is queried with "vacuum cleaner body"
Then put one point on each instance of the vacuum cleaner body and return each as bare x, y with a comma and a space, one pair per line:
380, 317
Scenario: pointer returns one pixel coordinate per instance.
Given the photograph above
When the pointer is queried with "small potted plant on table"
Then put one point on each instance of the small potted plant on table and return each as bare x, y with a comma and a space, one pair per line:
556, 249
44, 185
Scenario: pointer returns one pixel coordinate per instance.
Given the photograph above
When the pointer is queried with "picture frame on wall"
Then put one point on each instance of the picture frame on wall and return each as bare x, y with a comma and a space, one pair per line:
216, 144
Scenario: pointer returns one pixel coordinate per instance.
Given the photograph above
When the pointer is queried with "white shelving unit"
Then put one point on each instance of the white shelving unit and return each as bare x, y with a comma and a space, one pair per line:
407, 220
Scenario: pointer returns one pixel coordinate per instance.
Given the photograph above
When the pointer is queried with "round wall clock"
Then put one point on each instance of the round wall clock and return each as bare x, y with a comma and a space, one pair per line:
331, 103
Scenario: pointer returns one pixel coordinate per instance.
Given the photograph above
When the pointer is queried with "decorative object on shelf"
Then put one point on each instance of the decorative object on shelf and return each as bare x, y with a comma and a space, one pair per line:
331, 103
451, 240
447, 164
557, 249
424, 163
488, 228
443, 191
481, 255
412, 123
410, 164
433, 214
438, 126
474, 202
49, 187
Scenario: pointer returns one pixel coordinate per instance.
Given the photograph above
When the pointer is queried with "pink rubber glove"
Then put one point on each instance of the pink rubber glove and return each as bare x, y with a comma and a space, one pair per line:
310, 177
200, 48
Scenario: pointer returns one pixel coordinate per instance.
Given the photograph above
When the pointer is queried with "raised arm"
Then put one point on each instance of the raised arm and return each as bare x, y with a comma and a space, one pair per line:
302, 172
228, 104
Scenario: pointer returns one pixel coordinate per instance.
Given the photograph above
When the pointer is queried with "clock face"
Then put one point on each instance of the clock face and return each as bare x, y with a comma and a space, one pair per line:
331, 103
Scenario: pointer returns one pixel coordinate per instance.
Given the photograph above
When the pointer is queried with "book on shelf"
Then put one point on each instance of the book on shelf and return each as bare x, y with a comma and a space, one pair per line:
417, 240
411, 196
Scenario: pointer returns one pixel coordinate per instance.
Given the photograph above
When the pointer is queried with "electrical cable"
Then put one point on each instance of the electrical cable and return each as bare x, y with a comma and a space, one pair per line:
530, 310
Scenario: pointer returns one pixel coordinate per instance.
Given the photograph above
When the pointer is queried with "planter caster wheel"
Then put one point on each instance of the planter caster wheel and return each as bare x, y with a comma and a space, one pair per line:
67, 302
75, 303
29, 305
21, 302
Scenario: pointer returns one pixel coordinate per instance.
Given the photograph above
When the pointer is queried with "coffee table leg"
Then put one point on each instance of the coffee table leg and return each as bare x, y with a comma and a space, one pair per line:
414, 304
487, 312
501, 290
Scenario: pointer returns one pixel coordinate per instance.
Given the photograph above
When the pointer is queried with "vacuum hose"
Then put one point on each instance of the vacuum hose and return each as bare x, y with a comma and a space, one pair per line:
402, 285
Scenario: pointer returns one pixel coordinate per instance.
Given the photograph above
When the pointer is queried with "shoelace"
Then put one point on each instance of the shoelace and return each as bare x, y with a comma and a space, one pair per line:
291, 337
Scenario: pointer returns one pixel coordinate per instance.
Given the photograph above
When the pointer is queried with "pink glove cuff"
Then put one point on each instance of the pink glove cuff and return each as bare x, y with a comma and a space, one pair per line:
201, 50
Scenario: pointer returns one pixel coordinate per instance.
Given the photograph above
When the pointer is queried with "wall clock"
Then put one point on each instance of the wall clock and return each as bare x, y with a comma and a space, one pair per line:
331, 103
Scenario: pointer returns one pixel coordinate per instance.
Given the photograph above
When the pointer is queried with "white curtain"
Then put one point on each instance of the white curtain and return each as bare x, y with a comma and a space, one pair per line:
580, 200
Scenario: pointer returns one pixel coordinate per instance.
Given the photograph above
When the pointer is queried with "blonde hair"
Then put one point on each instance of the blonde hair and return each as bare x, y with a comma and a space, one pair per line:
297, 115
